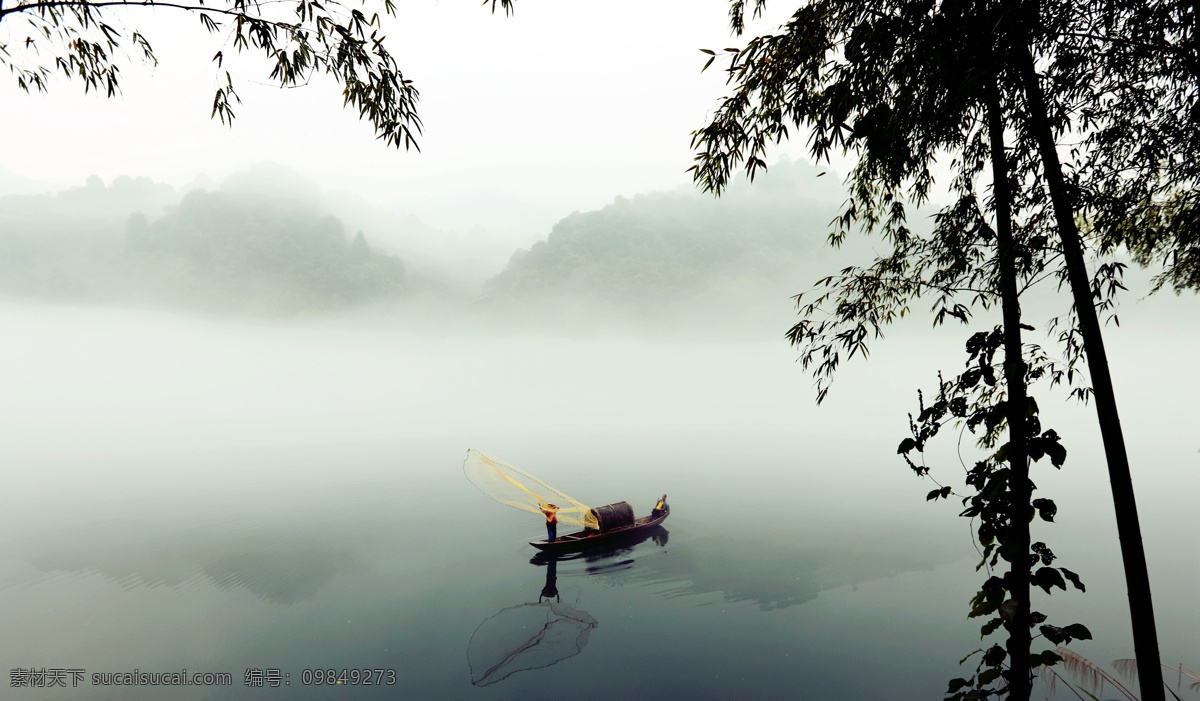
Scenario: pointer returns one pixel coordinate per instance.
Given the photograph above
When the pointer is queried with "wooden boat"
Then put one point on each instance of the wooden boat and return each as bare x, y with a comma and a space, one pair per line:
582, 539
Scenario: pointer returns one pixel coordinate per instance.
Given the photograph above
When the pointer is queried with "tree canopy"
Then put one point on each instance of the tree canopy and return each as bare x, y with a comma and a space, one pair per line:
84, 40
902, 85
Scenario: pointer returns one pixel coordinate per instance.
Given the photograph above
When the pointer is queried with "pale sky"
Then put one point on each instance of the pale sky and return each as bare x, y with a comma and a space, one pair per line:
565, 104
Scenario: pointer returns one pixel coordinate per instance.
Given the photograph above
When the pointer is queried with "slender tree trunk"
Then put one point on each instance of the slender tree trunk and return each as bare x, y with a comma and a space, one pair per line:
1137, 579
1020, 488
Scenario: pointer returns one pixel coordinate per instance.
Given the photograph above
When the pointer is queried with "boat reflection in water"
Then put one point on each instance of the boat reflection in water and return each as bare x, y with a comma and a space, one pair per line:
536, 635
606, 556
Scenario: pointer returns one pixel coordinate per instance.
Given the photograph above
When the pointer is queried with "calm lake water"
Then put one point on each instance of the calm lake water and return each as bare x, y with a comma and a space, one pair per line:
229, 499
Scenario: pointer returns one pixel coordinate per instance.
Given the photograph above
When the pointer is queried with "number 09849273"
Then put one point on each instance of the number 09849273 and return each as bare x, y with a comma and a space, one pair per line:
352, 677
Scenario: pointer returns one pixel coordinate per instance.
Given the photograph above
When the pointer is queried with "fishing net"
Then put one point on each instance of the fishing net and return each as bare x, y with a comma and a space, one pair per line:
529, 636
514, 487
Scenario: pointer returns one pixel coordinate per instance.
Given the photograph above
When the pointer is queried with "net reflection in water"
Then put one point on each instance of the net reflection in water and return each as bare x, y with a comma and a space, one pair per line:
527, 636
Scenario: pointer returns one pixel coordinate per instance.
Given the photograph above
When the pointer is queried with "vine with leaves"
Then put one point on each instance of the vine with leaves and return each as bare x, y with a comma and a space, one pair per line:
976, 400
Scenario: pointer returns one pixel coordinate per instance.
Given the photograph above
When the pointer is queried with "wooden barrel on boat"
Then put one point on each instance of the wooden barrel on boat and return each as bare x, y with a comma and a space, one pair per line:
612, 516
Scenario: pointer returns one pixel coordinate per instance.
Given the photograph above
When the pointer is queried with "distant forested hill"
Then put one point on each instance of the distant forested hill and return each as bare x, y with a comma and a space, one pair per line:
69, 246
266, 241
138, 242
249, 251
669, 249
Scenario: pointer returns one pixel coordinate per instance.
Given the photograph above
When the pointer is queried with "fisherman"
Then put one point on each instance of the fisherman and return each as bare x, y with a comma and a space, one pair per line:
550, 510
660, 507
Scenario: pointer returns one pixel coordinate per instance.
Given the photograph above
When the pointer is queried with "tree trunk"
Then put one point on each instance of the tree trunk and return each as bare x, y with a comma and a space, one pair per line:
1020, 488
1137, 579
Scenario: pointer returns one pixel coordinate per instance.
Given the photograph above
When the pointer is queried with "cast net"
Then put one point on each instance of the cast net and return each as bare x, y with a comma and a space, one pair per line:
529, 636
514, 487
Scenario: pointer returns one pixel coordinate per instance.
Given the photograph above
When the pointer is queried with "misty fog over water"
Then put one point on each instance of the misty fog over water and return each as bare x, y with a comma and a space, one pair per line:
241, 366
221, 494
233, 419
